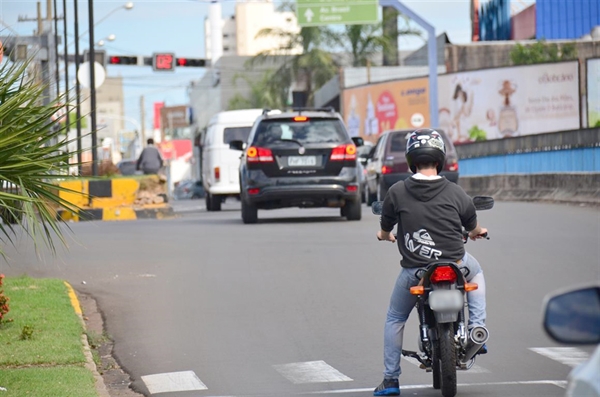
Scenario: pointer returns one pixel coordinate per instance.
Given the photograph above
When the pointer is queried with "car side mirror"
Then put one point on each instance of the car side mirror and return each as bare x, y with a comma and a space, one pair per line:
237, 145
358, 141
573, 316
483, 203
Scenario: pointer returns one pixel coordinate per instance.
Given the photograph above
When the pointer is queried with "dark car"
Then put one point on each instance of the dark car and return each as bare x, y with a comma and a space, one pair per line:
188, 189
302, 158
387, 165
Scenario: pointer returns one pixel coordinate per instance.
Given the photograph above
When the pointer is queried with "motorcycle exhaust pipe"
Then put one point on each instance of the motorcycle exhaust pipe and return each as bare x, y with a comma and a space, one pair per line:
477, 337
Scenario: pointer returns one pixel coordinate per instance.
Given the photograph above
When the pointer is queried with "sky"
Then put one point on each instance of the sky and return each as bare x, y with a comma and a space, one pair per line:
178, 26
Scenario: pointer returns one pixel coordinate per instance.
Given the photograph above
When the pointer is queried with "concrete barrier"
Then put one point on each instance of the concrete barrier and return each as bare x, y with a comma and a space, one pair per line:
111, 200
576, 188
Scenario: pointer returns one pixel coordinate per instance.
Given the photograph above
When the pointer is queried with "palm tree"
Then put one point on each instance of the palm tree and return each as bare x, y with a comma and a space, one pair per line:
302, 58
366, 41
264, 93
32, 158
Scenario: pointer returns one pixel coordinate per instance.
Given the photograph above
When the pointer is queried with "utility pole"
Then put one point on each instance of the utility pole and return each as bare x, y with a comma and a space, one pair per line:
143, 123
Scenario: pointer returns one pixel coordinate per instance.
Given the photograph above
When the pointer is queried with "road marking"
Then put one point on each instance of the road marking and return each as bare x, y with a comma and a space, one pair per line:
570, 356
475, 369
310, 372
560, 383
173, 381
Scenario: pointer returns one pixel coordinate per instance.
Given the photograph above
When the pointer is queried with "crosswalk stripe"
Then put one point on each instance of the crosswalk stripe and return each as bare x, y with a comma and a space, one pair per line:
570, 356
310, 372
172, 382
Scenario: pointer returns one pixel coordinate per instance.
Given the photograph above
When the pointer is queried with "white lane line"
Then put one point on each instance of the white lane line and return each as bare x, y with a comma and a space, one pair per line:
560, 383
310, 372
475, 369
570, 356
173, 381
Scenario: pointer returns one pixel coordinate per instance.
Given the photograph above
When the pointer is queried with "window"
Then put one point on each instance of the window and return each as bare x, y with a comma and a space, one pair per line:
236, 134
309, 132
398, 143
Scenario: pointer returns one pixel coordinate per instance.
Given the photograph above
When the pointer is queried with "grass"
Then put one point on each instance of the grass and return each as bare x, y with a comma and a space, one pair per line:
41, 352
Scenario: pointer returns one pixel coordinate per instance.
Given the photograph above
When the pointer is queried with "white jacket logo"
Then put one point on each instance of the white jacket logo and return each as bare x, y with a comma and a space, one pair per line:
422, 244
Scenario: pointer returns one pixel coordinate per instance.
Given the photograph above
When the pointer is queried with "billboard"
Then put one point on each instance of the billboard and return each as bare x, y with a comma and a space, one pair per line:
509, 102
593, 92
370, 110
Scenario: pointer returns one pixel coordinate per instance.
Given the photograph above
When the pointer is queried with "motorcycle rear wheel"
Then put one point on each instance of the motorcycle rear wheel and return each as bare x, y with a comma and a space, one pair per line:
436, 367
447, 359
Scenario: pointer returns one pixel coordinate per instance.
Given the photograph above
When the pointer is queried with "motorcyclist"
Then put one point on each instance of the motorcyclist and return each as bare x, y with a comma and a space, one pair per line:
430, 212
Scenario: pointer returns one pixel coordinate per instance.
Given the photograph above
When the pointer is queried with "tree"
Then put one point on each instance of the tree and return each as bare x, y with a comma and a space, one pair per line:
542, 52
264, 93
303, 57
32, 158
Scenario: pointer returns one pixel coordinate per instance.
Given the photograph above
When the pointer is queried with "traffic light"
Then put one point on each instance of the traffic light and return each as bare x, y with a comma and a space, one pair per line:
99, 56
163, 62
122, 60
191, 62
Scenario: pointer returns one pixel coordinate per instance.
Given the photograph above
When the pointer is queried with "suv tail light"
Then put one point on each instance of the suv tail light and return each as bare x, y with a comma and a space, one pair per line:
386, 169
443, 273
259, 155
343, 153
217, 172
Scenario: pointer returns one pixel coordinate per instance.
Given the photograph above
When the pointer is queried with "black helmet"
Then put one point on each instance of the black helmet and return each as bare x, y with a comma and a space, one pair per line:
425, 146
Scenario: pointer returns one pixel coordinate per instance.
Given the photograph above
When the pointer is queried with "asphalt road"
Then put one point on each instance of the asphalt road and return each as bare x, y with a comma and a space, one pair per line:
296, 303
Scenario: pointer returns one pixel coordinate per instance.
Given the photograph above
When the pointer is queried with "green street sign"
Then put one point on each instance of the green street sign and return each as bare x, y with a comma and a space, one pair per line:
336, 12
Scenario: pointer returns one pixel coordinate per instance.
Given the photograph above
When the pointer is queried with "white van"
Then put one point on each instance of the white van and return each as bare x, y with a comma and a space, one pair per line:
220, 164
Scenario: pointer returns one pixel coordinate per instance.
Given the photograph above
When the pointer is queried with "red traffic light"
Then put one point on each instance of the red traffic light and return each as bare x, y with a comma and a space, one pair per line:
122, 60
163, 62
191, 62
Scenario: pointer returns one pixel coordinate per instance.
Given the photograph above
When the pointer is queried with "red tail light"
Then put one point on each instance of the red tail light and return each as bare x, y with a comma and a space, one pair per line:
443, 273
217, 172
253, 191
386, 169
453, 166
259, 155
343, 153
352, 188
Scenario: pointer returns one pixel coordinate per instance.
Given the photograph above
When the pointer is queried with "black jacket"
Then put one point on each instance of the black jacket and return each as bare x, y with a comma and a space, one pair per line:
429, 214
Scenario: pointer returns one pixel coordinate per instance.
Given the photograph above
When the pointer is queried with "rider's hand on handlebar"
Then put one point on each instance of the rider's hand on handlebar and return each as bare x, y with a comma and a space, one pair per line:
387, 236
480, 232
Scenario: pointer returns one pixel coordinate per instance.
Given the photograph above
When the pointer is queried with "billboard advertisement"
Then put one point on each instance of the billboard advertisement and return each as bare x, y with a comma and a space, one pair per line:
509, 102
593, 92
370, 110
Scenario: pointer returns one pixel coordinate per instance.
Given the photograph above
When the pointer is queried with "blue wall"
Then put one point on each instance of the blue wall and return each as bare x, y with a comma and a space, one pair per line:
576, 160
566, 19
494, 20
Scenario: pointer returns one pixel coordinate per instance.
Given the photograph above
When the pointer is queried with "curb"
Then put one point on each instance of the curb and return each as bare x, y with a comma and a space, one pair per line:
87, 351
159, 211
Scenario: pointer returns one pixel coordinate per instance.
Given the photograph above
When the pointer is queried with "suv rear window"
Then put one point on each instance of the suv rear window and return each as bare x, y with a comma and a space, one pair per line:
236, 134
307, 132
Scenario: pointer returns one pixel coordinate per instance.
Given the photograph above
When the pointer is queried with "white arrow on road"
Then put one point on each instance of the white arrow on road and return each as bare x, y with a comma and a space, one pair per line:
309, 14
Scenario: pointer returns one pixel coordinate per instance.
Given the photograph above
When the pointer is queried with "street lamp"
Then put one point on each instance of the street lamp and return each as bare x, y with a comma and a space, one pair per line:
92, 24
110, 37
127, 6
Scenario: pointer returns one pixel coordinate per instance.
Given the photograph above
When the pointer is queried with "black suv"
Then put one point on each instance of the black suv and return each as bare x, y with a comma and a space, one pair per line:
299, 158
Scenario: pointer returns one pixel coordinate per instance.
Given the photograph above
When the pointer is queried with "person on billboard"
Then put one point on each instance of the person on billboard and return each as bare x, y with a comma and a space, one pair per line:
150, 160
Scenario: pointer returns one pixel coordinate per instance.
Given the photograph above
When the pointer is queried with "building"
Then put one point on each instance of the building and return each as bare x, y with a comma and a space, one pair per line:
571, 19
240, 31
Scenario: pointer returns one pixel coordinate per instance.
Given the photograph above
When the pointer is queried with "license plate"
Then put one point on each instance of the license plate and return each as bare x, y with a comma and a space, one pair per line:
302, 161
446, 300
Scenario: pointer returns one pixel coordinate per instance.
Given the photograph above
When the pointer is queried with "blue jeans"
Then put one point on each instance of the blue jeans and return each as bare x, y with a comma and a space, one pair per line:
402, 303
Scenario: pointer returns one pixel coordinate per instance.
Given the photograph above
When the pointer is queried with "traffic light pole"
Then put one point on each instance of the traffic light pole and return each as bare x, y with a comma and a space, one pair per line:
77, 88
93, 89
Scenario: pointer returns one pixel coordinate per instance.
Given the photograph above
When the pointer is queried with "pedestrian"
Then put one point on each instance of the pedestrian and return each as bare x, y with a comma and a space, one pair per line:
150, 160
430, 212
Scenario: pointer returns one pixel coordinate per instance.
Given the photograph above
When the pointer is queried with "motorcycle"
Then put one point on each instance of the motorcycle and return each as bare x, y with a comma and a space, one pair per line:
445, 344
